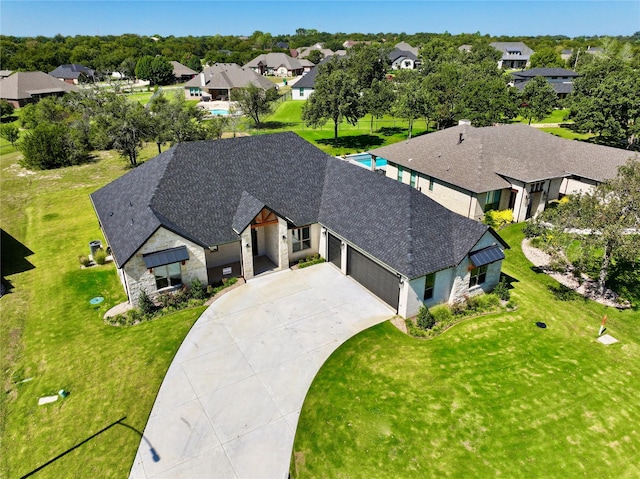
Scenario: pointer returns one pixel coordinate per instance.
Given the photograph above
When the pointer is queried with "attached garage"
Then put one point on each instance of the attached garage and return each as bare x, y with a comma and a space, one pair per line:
373, 276
335, 250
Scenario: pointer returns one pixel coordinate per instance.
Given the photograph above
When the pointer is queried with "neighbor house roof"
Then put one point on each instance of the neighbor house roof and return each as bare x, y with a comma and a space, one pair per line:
485, 156
513, 50
405, 47
72, 72
561, 88
303, 52
309, 79
396, 53
23, 85
5, 73
180, 70
544, 72
206, 191
276, 60
228, 75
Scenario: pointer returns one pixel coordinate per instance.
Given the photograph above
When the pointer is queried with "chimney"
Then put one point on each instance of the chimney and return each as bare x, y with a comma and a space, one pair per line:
202, 83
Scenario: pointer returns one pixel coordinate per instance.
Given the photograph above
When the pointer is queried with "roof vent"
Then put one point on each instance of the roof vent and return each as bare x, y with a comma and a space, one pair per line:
460, 139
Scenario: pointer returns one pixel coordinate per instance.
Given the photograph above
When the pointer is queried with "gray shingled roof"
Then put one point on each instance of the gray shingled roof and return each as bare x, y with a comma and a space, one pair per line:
204, 190
180, 70
275, 60
397, 53
545, 72
22, 85
507, 47
228, 75
559, 87
309, 78
487, 155
72, 71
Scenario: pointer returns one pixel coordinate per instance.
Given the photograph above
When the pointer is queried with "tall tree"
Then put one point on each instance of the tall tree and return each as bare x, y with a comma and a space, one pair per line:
605, 220
335, 97
546, 58
537, 99
11, 133
377, 100
254, 102
413, 99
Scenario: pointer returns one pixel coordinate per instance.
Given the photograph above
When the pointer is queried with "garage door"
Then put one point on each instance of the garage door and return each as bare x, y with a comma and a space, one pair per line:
335, 251
377, 279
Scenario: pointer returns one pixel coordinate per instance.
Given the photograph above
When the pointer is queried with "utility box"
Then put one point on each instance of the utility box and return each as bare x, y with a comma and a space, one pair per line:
95, 246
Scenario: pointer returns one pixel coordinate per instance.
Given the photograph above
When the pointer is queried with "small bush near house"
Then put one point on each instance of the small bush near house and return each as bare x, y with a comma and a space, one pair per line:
310, 260
84, 260
197, 290
563, 293
425, 320
498, 219
502, 290
145, 304
532, 229
100, 256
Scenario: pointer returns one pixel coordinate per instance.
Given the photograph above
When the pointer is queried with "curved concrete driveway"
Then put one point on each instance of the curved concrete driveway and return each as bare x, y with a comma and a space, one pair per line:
229, 404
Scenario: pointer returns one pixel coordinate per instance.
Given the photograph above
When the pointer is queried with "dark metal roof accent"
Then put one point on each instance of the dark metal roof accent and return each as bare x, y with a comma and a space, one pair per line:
487, 255
167, 256
248, 208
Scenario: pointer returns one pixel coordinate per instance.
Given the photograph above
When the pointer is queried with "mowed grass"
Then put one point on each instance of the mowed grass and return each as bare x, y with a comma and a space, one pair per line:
51, 334
287, 116
493, 396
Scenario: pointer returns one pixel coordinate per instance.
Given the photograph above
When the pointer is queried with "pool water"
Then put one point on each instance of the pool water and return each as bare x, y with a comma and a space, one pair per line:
365, 160
219, 111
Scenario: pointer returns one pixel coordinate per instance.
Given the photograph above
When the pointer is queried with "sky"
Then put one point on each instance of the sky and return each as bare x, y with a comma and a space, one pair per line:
243, 17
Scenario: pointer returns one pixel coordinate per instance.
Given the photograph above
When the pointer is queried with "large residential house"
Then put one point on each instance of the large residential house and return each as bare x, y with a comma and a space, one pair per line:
22, 88
182, 73
403, 56
515, 55
559, 78
279, 64
219, 80
74, 74
473, 170
303, 52
210, 210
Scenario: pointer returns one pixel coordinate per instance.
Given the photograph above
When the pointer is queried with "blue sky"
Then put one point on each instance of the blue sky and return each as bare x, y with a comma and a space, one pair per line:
242, 17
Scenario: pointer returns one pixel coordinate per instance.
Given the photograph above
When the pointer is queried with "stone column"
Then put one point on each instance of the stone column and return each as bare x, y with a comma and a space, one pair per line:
283, 242
247, 253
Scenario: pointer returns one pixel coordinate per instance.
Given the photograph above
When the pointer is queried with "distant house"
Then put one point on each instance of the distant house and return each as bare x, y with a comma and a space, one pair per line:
182, 73
303, 52
514, 54
559, 78
29, 87
465, 48
279, 64
282, 45
350, 43
219, 80
403, 56
209, 210
74, 74
473, 170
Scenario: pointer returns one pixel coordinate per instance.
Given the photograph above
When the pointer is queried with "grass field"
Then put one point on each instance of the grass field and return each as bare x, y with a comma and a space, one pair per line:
493, 396
52, 336
351, 138
557, 116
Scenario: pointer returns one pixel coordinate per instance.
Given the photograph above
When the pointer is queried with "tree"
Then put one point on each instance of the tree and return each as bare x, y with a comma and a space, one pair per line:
253, 102
143, 67
607, 220
546, 58
157, 70
377, 100
11, 133
412, 100
194, 63
6, 108
214, 127
335, 97
315, 56
537, 99
46, 146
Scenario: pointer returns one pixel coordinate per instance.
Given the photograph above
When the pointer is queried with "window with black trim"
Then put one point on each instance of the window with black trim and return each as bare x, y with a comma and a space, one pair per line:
168, 275
301, 238
400, 172
478, 276
492, 201
429, 283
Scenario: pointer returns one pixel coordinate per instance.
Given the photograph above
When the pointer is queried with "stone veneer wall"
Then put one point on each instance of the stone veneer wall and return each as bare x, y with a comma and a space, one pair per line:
137, 276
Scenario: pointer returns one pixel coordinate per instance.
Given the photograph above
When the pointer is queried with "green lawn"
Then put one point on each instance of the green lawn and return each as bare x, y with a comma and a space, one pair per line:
51, 334
568, 133
351, 138
493, 396
556, 116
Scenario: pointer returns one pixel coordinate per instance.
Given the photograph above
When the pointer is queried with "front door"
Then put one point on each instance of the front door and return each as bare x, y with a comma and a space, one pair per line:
254, 241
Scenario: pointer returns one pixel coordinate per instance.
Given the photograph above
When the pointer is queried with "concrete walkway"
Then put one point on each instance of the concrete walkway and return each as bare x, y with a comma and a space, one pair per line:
229, 404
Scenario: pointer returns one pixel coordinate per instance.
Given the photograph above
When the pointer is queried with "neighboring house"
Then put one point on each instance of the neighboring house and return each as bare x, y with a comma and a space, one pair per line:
304, 87
182, 73
29, 87
401, 60
515, 55
74, 74
559, 78
219, 80
303, 52
279, 64
465, 48
209, 210
349, 43
282, 45
566, 54
473, 170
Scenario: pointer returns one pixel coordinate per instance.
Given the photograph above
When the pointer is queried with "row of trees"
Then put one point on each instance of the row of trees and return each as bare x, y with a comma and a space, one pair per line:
64, 131
449, 86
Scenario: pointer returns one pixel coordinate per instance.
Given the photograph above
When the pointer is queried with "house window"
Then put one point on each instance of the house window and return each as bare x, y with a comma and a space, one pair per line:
429, 283
301, 239
538, 186
400, 172
167, 275
492, 201
478, 276
414, 177
194, 91
301, 91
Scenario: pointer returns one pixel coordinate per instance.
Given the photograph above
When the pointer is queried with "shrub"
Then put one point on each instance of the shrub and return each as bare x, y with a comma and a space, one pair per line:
84, 260
310, 260
502, 290
498, 219
100, 256
532, 228
134, 317
425, 320
197, 290
441, 314
562, 293
558, 264
145, 304
414, 330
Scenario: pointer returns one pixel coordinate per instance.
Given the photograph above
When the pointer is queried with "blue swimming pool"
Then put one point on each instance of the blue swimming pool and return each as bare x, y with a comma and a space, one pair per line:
219, 111
365, 160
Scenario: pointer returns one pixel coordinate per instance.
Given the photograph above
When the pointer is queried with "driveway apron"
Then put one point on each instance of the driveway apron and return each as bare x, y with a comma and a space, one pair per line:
229, 404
